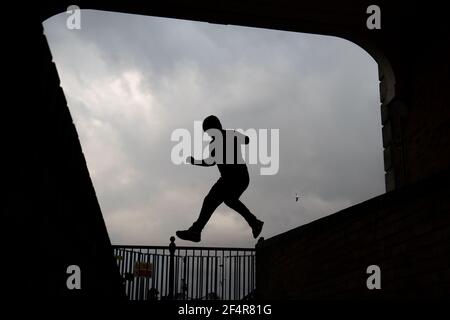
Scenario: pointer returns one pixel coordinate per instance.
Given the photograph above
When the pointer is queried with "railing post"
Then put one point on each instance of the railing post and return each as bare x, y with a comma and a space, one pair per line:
172, 247
259, 268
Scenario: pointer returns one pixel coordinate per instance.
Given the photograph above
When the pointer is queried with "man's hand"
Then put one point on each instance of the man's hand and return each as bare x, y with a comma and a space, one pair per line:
190, 160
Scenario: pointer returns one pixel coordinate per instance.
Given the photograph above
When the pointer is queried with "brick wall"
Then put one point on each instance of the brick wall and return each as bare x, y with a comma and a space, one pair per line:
416, 115
405, 232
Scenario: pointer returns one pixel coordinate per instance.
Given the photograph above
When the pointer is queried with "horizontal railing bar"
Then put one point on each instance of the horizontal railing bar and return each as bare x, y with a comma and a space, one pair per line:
183, 256
181, 248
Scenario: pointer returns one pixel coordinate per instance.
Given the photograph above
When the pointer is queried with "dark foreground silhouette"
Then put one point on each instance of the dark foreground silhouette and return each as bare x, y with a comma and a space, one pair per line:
232, 183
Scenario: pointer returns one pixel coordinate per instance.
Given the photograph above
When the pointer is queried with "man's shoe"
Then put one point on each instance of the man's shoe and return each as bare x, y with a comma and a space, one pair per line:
189, 235
257, 228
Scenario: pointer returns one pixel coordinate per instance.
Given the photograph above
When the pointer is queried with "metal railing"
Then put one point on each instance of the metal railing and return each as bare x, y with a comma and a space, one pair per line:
186, 273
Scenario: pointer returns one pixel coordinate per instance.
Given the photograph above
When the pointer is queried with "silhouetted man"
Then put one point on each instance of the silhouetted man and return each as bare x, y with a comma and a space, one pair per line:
225, 152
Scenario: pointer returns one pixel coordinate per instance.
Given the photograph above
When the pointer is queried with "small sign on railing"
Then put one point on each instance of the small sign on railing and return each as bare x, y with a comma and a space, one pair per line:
143, 269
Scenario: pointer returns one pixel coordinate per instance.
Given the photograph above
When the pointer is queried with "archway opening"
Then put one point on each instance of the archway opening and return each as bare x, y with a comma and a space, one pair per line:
130, 81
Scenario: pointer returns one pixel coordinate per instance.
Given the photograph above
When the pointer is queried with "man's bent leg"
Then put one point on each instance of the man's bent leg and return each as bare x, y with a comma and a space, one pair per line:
252, 221
212, 200
238, 206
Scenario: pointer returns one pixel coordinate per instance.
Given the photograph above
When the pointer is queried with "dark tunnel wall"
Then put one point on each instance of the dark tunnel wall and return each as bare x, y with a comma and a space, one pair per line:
53, 219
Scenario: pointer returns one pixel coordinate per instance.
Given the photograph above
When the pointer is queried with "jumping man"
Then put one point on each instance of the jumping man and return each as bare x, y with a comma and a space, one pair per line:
233, 181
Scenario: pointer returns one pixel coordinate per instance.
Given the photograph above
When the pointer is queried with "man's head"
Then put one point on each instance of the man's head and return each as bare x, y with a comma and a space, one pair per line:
211, 122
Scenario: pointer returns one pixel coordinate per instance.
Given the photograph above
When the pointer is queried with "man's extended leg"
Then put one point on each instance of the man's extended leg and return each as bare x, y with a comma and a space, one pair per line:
253, 222
212, 200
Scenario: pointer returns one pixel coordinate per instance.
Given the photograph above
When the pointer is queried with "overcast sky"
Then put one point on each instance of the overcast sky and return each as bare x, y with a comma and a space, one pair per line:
131, 80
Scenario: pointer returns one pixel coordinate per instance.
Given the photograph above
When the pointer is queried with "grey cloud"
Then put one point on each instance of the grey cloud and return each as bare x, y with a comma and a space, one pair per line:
131, 80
